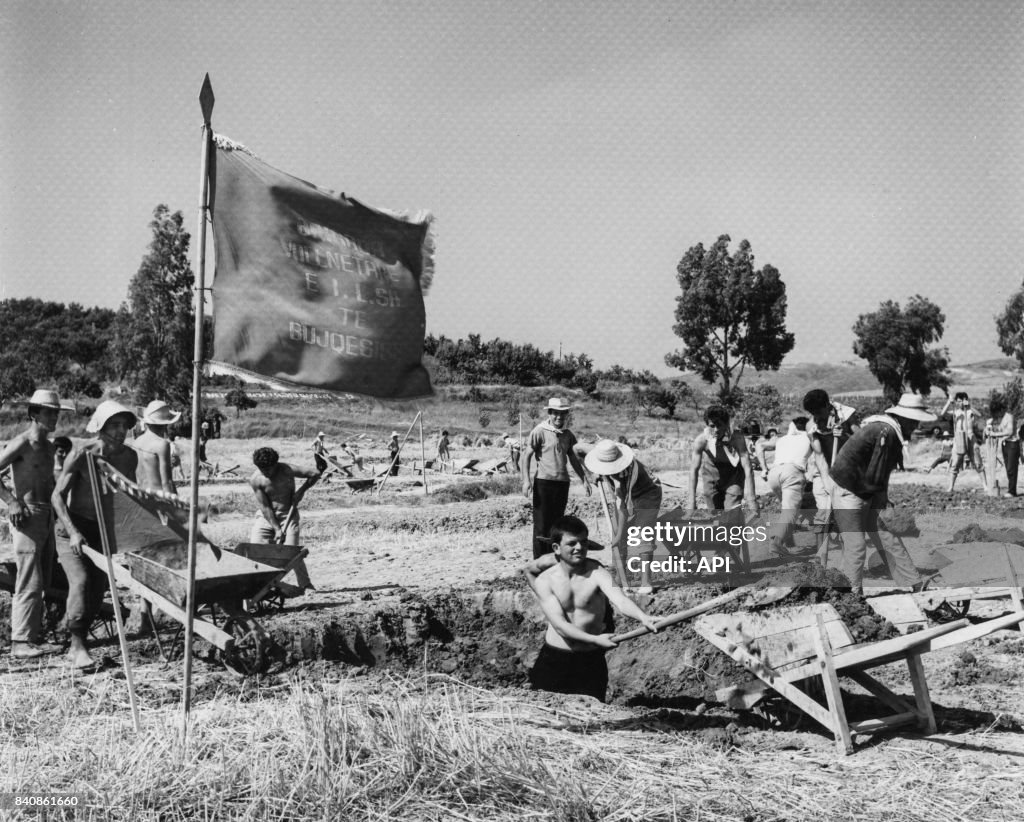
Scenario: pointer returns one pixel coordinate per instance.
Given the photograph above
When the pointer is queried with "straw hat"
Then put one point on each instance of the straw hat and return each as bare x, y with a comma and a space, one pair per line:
321, 435
558, 404
104, 411
45, 399
912, 407
159, 412
608, 457
394, 434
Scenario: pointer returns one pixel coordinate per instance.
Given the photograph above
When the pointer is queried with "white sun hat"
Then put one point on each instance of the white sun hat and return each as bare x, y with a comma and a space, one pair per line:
608, 457
912, 406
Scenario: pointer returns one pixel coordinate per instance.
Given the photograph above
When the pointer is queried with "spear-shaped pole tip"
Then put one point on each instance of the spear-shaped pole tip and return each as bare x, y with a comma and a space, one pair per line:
206, 99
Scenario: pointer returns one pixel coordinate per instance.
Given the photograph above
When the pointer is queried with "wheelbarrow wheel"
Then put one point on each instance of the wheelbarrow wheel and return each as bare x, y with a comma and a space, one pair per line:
247, 655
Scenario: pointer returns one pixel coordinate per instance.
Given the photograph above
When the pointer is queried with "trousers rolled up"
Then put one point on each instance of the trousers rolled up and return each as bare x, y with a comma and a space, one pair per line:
857, 520
34, 549
549, 500
86, 583
787, 483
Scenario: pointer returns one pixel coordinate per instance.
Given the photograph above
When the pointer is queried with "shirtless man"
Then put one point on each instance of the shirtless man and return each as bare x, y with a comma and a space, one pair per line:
30, 456
273, 483
574, 592
154, 448
74, 504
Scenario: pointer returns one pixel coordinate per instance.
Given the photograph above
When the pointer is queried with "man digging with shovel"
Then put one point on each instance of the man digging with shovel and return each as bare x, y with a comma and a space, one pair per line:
574, 592
273, 483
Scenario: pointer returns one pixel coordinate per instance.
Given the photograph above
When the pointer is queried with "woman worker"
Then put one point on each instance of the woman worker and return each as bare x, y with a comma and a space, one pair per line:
721, 461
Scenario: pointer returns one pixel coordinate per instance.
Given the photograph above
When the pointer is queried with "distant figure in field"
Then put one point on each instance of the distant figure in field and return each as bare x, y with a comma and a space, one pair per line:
830, 427
353, 454
1002, 428
574, 592
74, 504
444, 454
31, 457
394, 451
515, 450
552, 447
945, 455
62, 446
787, 479
965, 445
320, 453
155, 470
273, 483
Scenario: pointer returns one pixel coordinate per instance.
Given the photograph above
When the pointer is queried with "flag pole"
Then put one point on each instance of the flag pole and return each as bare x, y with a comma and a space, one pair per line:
206, 104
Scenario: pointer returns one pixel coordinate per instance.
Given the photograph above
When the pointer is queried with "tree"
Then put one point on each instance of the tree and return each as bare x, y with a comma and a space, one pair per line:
237, 398
155, 327
729, 314
15, 380
894, 340
1010, 327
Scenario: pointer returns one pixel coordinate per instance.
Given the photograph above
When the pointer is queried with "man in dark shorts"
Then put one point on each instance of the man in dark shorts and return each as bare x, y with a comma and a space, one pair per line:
574, 592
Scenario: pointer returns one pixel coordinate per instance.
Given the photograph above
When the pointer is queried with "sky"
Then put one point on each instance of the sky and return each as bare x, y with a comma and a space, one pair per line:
571, 152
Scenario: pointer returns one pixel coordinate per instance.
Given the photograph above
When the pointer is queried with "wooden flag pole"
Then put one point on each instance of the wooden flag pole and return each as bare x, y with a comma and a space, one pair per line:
206, 104
122, 639
423, 458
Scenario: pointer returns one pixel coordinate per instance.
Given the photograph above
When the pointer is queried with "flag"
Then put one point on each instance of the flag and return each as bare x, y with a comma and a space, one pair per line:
313, 289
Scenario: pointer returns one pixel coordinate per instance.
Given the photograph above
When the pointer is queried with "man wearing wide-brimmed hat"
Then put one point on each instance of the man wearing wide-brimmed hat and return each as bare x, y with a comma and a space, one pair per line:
860, 476
154, 448
552, 447
73, 502
637, 495
30, 456
394, 454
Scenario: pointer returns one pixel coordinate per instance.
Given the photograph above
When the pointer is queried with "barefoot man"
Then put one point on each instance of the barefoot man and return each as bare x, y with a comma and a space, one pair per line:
574, 593
30, 456
154, 448
73, 502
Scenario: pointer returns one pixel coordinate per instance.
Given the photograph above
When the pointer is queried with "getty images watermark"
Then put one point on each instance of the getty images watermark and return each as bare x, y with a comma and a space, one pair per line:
695, 550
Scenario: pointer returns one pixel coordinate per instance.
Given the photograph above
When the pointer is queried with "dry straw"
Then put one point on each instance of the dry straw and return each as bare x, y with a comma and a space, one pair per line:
429, 748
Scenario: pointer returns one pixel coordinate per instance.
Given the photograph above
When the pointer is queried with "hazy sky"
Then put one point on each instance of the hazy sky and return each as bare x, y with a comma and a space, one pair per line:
571, 152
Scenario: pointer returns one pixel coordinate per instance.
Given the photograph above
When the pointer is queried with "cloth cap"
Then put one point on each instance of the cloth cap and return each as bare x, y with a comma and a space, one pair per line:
104, 411
159, 412
608, 457
912, 407
45, 399
557, 404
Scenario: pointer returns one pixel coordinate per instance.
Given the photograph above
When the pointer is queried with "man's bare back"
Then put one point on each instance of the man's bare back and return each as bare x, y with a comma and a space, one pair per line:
154, 467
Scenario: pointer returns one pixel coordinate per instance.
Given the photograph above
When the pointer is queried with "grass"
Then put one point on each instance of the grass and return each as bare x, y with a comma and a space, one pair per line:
429, 748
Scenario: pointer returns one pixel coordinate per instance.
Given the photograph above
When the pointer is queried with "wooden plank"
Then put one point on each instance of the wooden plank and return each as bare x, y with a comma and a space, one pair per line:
870, 726
926, 715
873, 686
976, 631
844, 741
211, 633
763, 672
933, 598
878, 653
901, 610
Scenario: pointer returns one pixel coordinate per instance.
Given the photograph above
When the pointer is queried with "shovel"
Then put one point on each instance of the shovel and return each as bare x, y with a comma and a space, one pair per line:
756, 596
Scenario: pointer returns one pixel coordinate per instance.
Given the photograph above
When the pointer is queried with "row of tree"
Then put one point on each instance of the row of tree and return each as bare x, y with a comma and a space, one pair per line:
729, 315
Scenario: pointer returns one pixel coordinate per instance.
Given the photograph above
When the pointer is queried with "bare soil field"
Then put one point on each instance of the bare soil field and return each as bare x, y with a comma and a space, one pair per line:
420, 603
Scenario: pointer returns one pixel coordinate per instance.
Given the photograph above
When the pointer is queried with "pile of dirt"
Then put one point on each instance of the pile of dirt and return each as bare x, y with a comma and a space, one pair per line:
920, 499
969, 670
975, 533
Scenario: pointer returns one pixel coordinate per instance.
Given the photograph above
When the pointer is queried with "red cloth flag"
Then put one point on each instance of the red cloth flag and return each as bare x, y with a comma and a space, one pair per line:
313, 289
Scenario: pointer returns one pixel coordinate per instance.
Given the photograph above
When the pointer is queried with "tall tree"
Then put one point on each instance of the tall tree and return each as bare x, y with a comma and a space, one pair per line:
729, 314
155, 326
1010, 327
894, 342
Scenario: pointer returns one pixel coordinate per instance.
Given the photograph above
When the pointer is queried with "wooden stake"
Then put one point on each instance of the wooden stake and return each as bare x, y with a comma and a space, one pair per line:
423, 458
616, 556
122, 639
384, 479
